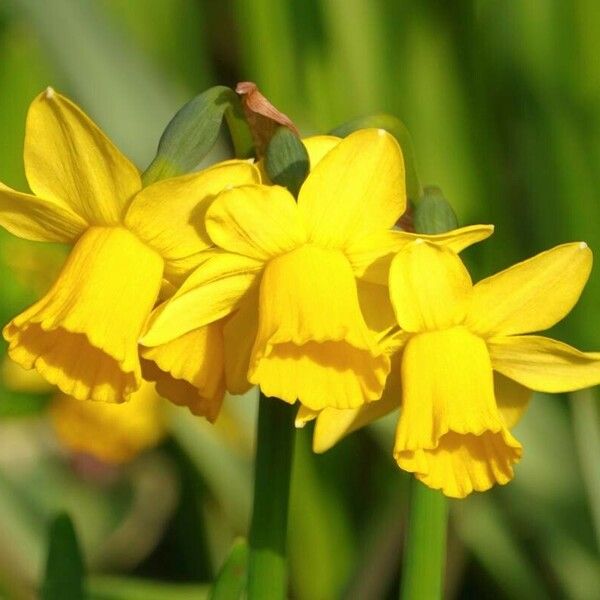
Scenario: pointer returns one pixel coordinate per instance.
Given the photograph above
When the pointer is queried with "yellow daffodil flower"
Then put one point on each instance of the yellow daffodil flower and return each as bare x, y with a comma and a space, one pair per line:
111, 433
82, 335
466, 370
290, 272
192, 369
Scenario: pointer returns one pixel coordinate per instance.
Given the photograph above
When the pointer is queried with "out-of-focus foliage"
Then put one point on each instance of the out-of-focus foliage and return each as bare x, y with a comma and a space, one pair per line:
503, 103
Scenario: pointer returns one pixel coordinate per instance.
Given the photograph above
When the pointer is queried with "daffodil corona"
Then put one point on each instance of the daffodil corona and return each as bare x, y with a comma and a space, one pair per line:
290, 275
83, 334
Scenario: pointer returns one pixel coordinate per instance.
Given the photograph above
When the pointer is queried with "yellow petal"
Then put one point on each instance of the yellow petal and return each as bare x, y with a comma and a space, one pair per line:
188, 370
257, 221
372, 254
169, 215
38, 220
334, 424
210, 293
306, 415
82, 336
318, 146
113, 433
543, 364
357, 188
462, 463
240, 333
68, 159
429, 287
447, 385
312, 342
532, 295
512, 399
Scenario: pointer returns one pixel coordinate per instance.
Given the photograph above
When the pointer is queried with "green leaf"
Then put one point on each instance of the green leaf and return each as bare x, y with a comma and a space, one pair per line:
231, 580
109, 587
397, 128
193, 131
433, 214
64, 565
286, 161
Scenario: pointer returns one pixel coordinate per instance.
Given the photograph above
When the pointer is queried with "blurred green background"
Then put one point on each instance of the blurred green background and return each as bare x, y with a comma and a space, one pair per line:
503, 102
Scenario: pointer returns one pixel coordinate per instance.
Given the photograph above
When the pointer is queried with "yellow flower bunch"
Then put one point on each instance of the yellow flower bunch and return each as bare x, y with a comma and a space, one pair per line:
128, 242
318, 299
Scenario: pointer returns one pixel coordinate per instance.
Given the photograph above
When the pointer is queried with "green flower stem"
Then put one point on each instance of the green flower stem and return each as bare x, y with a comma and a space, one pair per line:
425, 549
267, 569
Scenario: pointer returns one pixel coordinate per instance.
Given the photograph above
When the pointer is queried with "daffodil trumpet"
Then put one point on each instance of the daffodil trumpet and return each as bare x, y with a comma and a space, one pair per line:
83, 334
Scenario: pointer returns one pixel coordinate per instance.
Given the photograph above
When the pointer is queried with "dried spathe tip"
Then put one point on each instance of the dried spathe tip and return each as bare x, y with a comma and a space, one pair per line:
263, 118
254, 101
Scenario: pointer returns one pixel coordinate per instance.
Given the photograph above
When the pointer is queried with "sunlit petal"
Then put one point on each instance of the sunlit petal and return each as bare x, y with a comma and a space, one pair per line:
532, 295
318, 146
257, 221
68, 159
429, 287
447, 385
356, 188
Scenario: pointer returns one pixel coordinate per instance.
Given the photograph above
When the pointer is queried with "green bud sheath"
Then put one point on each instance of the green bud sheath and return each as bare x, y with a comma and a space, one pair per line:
286, 161
433, 213
193, 131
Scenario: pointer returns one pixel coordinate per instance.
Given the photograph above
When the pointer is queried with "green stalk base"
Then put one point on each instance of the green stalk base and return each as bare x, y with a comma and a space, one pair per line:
267, 568
425, 548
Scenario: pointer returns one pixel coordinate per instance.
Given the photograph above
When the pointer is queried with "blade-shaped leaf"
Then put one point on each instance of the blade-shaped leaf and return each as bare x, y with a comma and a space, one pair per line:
64, 565
231, 580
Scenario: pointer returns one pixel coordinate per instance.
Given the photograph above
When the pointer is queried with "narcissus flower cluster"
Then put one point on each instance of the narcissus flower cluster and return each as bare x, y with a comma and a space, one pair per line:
218, 281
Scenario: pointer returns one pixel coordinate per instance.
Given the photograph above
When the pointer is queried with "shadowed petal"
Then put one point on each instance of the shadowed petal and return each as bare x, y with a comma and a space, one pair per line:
189, 370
